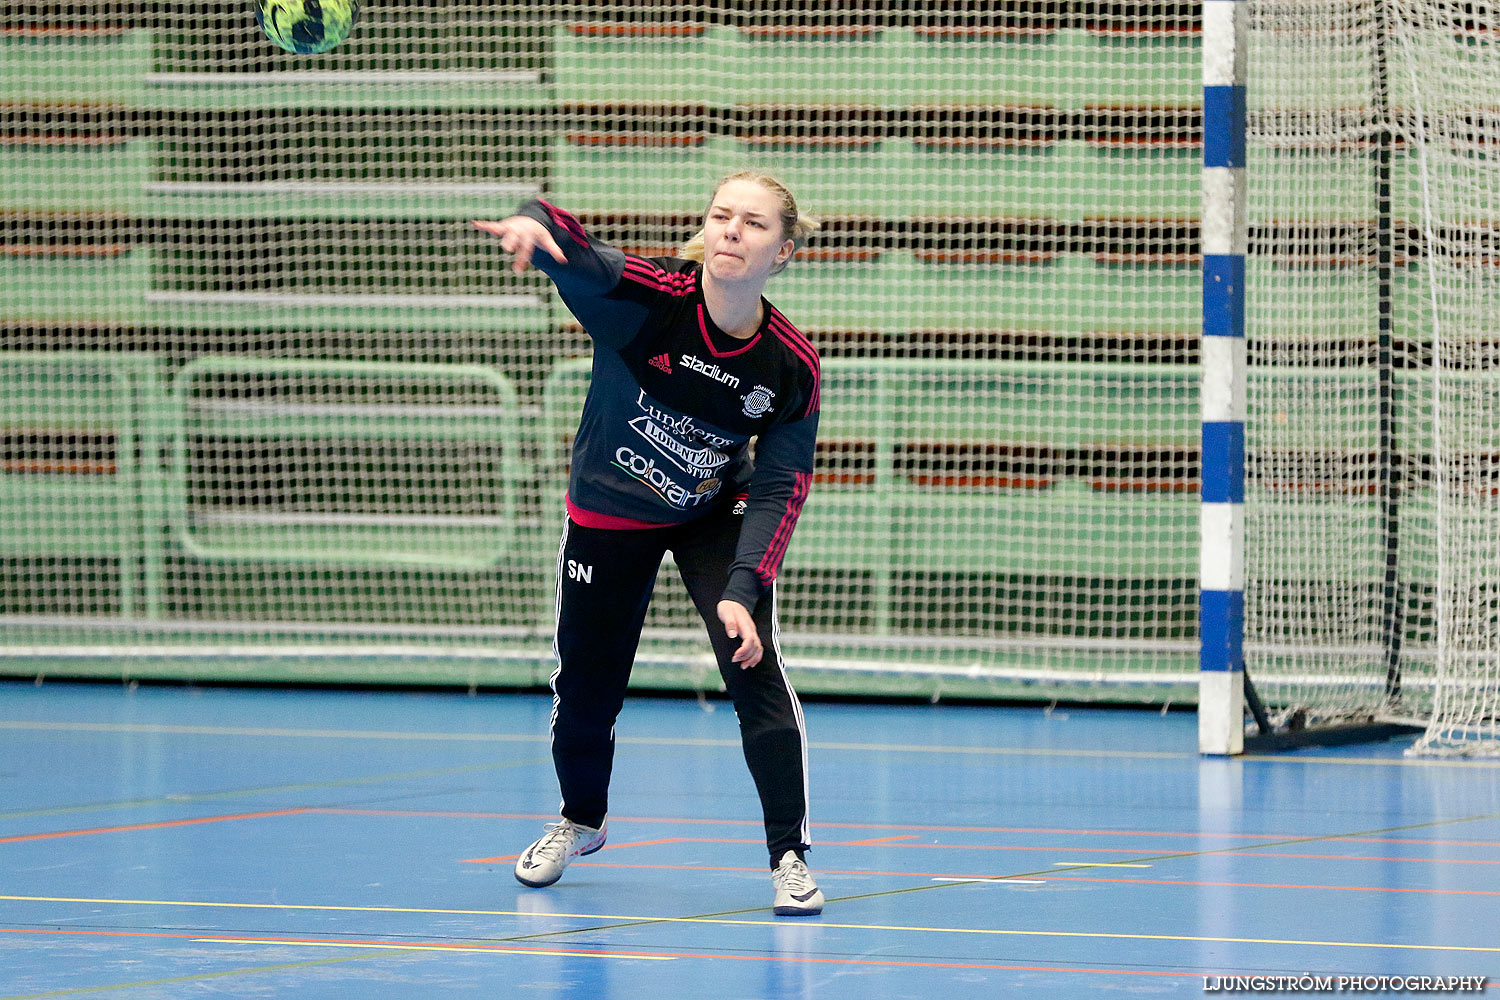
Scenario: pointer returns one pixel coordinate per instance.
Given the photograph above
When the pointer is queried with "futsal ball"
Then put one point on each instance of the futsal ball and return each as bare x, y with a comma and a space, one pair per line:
307, 25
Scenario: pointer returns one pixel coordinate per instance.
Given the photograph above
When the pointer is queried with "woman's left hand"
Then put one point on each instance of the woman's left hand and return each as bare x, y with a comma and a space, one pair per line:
739, 625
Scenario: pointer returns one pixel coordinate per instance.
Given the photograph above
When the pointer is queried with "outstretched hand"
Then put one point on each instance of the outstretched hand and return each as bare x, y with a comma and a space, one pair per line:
739, 625
520, 235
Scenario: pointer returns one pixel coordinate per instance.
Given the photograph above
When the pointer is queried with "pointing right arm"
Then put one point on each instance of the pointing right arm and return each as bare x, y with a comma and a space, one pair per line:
585, 271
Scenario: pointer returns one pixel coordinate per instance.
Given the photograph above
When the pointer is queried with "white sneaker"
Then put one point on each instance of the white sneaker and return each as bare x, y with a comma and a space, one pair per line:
797, 895
543, 862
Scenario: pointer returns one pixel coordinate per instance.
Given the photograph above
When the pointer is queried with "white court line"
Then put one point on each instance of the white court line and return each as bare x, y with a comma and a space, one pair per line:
433, 948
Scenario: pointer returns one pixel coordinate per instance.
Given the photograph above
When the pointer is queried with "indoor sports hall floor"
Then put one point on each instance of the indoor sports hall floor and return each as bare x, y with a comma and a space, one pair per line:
174, 842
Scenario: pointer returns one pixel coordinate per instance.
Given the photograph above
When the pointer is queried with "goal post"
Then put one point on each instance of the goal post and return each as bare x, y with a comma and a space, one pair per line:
1222, 521
1366, 211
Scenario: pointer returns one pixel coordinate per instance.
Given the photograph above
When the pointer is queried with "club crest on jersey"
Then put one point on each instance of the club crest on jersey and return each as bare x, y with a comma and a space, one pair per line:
758, 401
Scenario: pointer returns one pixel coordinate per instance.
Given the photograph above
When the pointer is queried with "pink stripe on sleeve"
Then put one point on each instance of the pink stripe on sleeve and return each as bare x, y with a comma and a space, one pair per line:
771, 561
804, 350
643, 272
573, 227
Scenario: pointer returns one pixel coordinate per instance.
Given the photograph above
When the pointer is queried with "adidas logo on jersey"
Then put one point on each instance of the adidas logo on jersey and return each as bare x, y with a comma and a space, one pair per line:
662, 362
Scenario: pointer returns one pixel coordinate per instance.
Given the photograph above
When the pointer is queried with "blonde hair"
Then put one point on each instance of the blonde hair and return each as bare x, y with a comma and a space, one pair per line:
794, 226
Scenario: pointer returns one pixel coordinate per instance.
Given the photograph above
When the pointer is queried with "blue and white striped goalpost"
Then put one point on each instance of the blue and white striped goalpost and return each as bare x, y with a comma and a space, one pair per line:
1221, 564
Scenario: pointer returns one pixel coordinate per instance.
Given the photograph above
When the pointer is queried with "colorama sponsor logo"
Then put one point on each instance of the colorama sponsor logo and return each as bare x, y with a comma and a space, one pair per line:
645, 469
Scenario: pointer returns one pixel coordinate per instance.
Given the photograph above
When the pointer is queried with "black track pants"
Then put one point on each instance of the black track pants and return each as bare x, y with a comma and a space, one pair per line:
604, 584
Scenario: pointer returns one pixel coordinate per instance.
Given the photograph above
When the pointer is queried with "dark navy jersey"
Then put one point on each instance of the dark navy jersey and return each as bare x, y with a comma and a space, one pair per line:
674, 403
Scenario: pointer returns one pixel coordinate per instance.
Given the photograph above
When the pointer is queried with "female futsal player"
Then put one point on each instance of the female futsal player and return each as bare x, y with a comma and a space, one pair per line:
690, 364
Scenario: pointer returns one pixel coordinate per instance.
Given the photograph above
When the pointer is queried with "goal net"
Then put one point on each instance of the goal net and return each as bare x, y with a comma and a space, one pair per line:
1371, 495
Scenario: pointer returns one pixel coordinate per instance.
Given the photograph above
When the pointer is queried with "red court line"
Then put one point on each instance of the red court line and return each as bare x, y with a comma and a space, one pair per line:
1362, 857
1144, 853
437, 947
1407, 840
689, 821
151, 826
607, 847
1280, 885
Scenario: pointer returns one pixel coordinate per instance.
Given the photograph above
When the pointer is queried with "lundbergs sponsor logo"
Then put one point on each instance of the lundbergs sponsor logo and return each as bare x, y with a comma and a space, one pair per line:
682, 443
683, 427
712, 371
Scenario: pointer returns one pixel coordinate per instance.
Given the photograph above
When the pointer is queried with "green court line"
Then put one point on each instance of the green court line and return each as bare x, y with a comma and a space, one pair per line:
200, 977
620, 922
1239, 849
1043, 872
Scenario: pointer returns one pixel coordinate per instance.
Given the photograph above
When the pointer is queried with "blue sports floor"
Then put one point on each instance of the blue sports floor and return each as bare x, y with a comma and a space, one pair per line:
169, 842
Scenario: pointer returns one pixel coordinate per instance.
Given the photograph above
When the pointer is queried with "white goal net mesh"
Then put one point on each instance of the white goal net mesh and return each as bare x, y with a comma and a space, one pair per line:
1372, 313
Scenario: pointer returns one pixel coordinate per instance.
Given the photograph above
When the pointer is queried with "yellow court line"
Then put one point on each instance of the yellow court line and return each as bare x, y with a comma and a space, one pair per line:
904, 929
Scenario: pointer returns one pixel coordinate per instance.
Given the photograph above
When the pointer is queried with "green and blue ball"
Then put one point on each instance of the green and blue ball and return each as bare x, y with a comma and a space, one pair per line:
307, 26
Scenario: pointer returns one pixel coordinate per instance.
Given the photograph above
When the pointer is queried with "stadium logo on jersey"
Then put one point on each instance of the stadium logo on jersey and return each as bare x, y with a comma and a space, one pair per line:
712, 371
758, 401
698, 462
683, 426
662, 362
645, 469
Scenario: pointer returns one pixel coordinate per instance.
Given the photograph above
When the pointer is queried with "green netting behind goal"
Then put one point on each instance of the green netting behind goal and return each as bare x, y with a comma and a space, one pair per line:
270, 409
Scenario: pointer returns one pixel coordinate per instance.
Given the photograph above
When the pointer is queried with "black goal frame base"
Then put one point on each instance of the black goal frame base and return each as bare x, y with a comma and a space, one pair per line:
1297, 735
